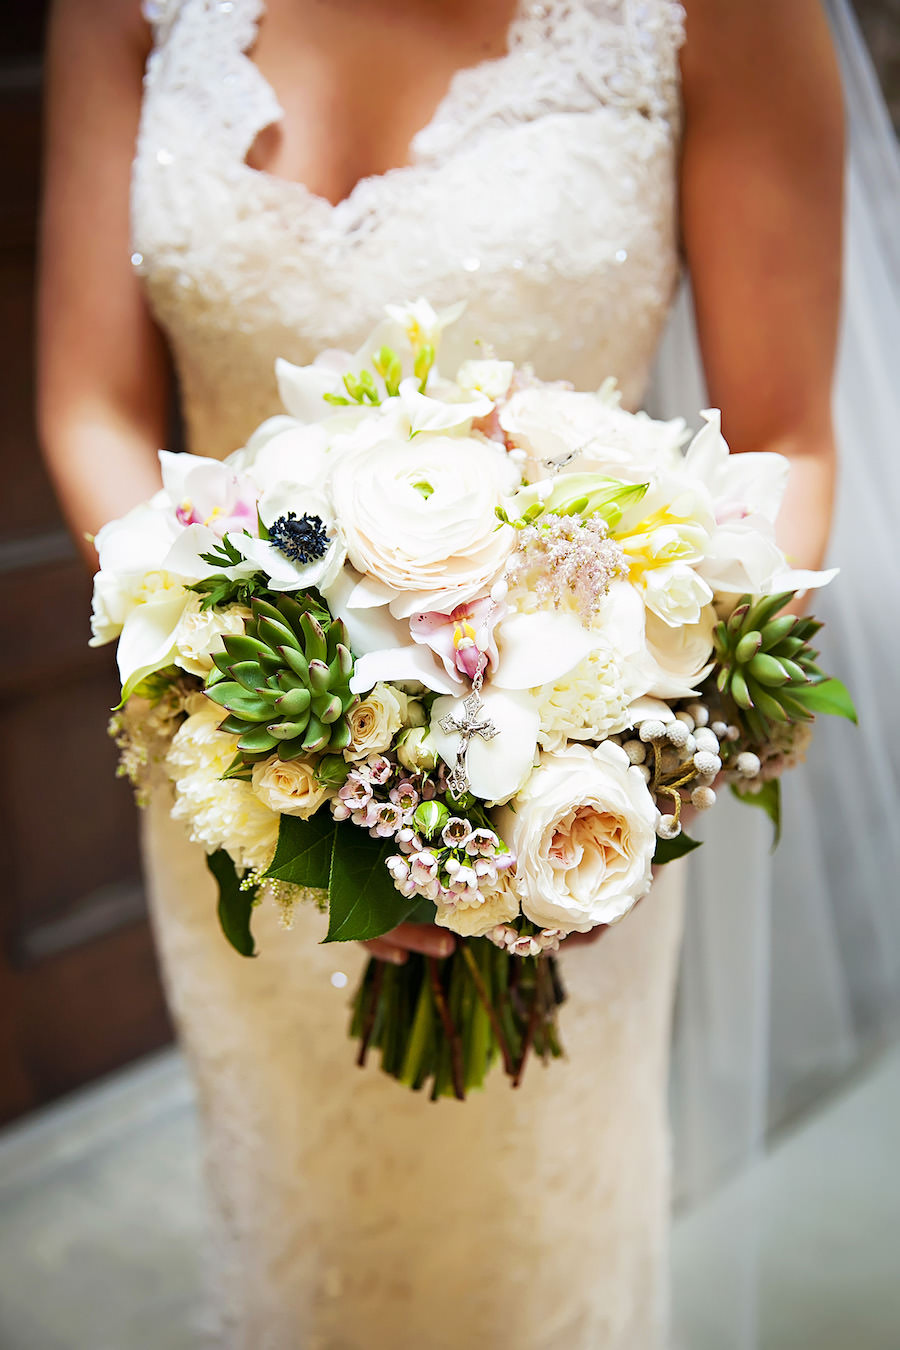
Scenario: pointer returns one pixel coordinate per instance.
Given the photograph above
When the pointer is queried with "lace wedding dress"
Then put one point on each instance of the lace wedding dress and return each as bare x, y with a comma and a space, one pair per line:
349, 1212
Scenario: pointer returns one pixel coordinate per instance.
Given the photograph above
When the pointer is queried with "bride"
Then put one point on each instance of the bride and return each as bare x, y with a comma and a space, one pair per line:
293, 168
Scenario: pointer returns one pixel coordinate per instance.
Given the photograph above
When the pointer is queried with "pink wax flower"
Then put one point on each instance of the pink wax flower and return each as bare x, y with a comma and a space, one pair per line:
464, 638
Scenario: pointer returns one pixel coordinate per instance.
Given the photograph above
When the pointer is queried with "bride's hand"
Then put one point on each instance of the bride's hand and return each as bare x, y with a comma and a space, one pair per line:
396, 945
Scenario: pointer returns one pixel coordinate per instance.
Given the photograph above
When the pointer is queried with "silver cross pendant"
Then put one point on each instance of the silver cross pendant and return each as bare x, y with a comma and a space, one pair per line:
471, 725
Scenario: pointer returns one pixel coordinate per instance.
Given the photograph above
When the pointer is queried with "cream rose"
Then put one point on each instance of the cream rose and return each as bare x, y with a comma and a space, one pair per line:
375, 721
583, 833
418, 516
289, 787
198, 637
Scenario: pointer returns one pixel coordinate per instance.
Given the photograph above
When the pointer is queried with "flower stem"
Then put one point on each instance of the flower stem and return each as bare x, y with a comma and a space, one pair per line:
369, 1020
453, 1041
536, 1000
508, 1064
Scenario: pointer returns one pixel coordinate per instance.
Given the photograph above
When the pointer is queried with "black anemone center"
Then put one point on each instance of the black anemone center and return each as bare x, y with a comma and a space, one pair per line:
300, 538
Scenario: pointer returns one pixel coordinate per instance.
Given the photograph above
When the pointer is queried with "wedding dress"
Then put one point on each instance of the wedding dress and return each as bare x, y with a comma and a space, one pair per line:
350, 1212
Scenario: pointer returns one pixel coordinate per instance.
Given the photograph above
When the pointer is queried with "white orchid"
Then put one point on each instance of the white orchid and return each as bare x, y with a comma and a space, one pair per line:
746, 490
498, 767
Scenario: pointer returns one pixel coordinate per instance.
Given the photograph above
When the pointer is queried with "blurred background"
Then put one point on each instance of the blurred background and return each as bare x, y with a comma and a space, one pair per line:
80, 995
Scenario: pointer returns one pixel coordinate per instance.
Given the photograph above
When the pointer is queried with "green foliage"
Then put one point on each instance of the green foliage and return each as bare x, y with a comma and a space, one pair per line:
363, 902
235, 903
768, 799
219, 590
339, 857
303, 852
667, 850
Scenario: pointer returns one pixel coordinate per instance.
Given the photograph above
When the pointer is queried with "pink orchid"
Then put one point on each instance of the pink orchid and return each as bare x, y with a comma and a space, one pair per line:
213, 496
464, 638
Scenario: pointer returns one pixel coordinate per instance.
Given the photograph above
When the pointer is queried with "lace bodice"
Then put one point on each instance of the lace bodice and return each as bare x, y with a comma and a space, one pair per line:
542, 191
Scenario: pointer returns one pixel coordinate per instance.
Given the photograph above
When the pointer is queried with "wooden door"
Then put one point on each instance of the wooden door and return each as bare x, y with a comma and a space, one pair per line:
79, 988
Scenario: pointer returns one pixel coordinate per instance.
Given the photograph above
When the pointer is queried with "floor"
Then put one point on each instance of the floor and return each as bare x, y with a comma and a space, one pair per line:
101, 1228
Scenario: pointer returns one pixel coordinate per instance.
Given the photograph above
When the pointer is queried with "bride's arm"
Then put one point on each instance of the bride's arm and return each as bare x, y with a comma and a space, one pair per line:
761, 202
103, 382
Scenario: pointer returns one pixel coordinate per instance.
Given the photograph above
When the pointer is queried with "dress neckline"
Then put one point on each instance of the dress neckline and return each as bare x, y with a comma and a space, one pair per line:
371, 182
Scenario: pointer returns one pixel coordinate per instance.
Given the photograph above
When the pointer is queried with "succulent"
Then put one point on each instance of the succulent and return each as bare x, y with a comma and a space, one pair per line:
285, 685
766, 665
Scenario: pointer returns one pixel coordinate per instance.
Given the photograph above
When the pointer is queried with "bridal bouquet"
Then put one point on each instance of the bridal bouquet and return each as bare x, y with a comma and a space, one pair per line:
461, 651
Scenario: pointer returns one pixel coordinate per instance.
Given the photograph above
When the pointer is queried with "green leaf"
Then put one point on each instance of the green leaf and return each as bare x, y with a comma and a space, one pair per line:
303, 852
768, 798
363, 901
235, 905
668, 850
830, 696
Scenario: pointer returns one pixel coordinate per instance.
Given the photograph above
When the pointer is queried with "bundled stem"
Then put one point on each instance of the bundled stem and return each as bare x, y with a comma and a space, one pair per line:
443, 1023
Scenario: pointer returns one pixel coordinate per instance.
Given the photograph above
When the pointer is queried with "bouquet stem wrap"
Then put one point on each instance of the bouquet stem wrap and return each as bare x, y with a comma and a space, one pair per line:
441, 1023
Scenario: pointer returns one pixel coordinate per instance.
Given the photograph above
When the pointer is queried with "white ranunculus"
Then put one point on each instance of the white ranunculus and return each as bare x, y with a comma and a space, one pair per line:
218, 812
583, 833
374, 722
289, 787
562, 429
418, 517
676, 660
198, 637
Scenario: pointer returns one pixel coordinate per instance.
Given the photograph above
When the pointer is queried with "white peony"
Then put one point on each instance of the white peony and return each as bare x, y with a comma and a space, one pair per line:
589, 702
198, 637
583, 832
374, 722
289, 787
218, 813
418, 516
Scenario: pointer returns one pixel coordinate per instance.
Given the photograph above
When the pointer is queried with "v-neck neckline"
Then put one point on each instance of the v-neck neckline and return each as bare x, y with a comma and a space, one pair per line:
368, 182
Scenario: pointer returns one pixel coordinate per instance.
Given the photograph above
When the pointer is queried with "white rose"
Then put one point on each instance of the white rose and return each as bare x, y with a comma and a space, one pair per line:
676, 660
559, 428
417, 751
289, 787
375, 721
219, 813
500, 906
583, 833
676, 594
418, 516
198, 637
